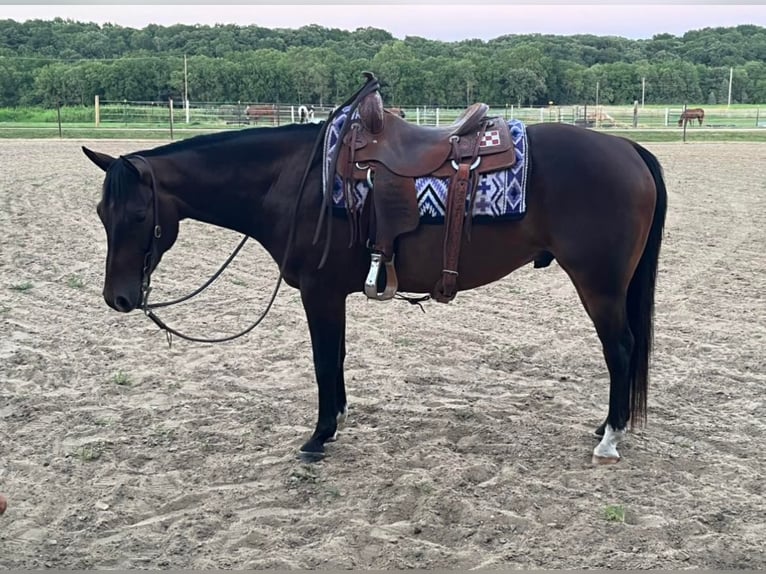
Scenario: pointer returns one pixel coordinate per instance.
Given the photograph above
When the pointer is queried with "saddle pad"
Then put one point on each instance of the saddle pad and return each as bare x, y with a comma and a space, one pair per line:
499, 194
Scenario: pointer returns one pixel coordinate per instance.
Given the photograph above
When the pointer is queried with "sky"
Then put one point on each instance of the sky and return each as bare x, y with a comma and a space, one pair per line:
436, 21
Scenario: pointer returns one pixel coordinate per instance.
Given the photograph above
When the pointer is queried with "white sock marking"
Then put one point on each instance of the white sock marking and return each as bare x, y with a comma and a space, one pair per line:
607, 448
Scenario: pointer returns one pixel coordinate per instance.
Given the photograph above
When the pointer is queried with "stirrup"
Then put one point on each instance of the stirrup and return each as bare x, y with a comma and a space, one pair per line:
371, 284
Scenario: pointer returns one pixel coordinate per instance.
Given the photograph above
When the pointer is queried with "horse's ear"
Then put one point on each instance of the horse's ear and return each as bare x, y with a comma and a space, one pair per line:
102, 160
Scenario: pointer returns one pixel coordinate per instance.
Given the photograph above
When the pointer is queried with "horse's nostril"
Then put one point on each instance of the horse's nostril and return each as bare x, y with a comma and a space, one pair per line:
122, 304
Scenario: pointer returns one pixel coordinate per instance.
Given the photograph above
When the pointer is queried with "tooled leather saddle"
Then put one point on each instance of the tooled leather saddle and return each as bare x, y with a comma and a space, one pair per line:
390, 153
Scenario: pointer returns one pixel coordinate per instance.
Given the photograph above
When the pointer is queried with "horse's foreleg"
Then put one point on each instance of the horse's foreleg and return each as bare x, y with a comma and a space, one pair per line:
326, 315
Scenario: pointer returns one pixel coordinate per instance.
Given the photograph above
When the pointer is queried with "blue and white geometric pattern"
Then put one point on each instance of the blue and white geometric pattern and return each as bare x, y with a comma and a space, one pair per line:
500, 194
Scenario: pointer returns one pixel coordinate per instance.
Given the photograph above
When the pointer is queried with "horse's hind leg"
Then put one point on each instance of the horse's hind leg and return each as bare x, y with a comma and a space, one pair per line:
341, 404
606, 303
609, 315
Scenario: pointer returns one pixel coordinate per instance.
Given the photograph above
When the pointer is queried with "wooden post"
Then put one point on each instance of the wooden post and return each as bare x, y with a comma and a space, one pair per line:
170, 102
635, 113
757, 116
58, 112
97, 108
684, 122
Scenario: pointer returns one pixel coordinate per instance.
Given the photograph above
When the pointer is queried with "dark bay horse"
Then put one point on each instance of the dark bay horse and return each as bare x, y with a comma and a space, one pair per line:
596, 203
690, 115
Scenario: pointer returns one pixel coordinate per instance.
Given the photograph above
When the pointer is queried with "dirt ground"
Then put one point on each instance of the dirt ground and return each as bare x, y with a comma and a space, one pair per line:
469, 438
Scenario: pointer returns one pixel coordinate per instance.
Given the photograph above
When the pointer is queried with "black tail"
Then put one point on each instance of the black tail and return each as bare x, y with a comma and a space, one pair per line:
641, 296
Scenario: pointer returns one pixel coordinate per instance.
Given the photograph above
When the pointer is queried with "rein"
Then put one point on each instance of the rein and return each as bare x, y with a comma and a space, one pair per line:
152, 249
325, 220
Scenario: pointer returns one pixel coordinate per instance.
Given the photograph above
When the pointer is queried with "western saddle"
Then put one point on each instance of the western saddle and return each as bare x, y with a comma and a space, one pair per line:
390, 153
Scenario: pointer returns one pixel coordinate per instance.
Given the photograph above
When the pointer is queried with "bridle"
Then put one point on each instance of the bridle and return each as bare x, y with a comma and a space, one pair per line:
152, 254
152, 251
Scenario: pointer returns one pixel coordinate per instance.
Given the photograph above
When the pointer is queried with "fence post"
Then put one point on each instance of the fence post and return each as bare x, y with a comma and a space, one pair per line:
667, 115
542, 115
635, 114
58, 112
170, 102
97, 108
757, 115
683, 117
437, 117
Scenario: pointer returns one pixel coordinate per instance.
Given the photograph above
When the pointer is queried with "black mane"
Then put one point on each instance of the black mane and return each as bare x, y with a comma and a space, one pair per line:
234, 136
121, 176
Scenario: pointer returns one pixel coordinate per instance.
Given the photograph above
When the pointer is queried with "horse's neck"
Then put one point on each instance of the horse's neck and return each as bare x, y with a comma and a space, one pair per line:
227, 196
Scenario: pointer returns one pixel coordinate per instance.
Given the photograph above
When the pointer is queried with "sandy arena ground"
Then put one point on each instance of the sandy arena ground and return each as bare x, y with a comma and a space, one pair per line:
470, 431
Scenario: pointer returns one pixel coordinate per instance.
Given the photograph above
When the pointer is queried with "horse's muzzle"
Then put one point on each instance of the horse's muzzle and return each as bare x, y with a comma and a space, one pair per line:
121, 302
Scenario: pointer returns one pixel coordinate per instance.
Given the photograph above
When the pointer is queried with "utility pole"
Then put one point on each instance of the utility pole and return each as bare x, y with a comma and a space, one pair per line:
643, 91
186, 90
731, 77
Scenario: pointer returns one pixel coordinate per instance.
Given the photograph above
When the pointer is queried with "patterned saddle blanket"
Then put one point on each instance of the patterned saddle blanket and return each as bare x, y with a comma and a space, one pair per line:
499, 194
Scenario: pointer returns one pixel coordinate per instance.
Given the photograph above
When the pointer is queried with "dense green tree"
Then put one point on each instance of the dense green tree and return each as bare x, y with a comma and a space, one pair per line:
45, 61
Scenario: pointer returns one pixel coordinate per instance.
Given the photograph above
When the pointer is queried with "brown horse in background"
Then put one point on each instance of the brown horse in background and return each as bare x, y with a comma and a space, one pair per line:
257, 112
596, 204
690, 115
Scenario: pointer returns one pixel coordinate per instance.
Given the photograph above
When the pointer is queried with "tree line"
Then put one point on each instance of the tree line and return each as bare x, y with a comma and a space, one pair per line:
43, 62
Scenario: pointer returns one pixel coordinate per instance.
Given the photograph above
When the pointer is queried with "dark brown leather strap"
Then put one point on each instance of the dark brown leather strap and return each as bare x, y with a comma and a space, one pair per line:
461, 185
453, 233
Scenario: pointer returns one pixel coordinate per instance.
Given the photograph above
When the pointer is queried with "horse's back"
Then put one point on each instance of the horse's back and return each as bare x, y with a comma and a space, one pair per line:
572, 166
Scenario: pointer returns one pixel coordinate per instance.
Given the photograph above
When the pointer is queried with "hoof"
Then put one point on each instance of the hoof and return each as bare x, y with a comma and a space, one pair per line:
310, 457
604, 460
312, 450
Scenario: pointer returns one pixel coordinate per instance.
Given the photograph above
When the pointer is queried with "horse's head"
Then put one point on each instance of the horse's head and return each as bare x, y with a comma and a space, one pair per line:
140, 224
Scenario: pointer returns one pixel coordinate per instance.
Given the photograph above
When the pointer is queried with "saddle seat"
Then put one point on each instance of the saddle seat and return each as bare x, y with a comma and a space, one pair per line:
410, 150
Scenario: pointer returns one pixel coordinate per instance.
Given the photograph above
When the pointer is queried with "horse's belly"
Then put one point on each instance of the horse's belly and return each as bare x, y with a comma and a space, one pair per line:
493, 251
